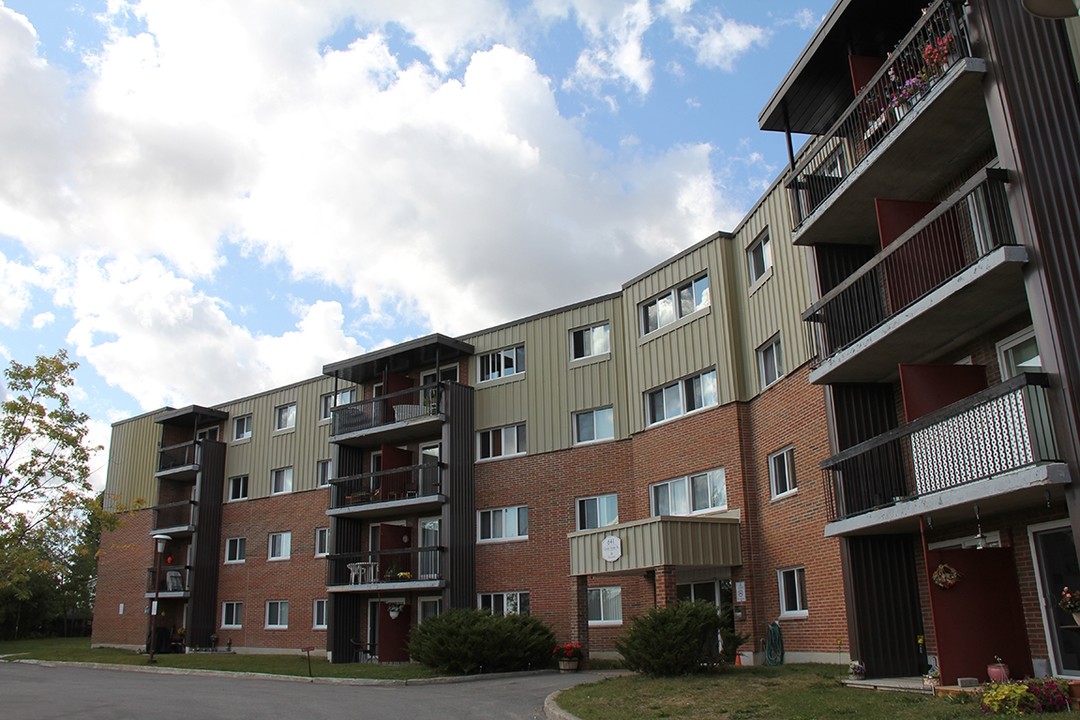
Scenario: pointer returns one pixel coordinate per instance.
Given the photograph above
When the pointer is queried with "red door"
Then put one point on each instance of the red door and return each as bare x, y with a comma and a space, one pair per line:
393, 642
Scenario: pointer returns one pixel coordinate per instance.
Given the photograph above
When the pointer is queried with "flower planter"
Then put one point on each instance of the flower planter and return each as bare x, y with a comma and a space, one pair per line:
568, 665
930, 681
1076, 617
998, 672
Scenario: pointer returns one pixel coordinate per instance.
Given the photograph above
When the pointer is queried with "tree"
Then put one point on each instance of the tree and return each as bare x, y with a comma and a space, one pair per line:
45, 492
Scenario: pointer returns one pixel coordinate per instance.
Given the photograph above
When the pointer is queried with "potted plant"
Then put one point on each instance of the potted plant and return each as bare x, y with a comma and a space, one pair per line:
856, 670
569, 656
998, 671
932, 678
1070, 603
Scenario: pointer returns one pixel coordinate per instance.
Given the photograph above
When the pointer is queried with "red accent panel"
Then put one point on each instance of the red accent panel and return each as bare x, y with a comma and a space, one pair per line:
894, 217
394, 537
392, 486
863, 68
393, 643
979, 617
929, 387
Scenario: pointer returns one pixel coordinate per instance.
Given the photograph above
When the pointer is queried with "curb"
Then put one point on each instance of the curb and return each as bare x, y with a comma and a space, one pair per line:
552, 710
449, 680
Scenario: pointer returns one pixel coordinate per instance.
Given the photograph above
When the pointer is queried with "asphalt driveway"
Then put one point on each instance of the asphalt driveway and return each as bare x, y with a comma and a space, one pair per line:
40, 691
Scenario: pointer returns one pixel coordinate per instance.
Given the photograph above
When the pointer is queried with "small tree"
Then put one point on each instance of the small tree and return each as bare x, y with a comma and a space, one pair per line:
472, 641
45, 493
678, 640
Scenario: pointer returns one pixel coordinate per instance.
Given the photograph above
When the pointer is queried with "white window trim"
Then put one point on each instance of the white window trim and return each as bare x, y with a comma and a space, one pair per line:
690, 493
593, 411
427, 599
790, 614
266, 616
504, 538
788, 453
250, 429
1001, 347
286, 428
314, 613
607, 623
577, 508
495, 458
516, 375
318, 531
242, 560
288, 486
775, 343
244, 497
235, 626
518, 593
590, 357
270, 545
347, 392
764, 239
679, 320
319, 464
681, 383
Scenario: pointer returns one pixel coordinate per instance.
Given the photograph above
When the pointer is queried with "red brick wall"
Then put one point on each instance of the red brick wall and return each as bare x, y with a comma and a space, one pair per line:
125, 554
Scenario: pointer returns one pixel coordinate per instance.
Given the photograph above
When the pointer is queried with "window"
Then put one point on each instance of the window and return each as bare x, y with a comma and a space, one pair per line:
235, 550
232, 614
429, 608
242, 428
500, 442
1019, 353
285, 417
280, 546
770, 362
792, 592
506, 603
327, 404
605, 606
281, 481
701, 492
238, 487
210, 433
759, 257
318, 615
324, 470
675, 303
597, 512
679, 398
322, 542
590, 341
504, 523
277, 613
782, 472
502, 363
593, 425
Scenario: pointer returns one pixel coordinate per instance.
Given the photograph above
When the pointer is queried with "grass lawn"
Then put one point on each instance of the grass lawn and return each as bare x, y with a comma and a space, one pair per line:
292, 663
802, 692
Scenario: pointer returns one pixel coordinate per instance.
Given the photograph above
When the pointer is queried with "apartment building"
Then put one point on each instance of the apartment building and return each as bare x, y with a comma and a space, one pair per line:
937, 196
583, 465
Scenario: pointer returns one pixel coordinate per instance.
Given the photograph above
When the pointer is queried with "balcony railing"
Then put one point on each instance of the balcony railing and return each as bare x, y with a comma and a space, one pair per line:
177, 456
398, 407
176, 514
939, 247
173, 579
993, 432
408, 565
414, 481
936, 43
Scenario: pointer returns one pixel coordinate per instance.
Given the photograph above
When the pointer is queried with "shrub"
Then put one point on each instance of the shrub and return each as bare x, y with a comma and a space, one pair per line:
678, 640
1026, 697
473, 641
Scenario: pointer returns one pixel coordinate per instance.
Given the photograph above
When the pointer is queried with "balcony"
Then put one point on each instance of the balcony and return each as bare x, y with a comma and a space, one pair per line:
179, 462
684, 542
381, 571
995, 447
175, 582
915, 122
395, 418
176, 519
413, 489
953, 272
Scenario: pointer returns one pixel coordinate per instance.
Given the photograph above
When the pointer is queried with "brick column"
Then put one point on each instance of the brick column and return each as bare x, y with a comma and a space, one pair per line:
579, 615
665, 586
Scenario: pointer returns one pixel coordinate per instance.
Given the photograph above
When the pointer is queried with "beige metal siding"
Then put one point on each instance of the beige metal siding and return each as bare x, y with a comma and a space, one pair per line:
129, 480
681, 541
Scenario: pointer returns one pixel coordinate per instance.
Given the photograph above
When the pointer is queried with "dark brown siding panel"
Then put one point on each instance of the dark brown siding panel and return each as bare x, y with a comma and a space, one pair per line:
203, 621
459, 516
885, 603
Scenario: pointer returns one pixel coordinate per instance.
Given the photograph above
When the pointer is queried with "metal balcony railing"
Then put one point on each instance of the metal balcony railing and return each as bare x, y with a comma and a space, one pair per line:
175, 514
999, 430
415, 481
385, 566
939, 247
174, 579
419, 402
177, 456
936, 43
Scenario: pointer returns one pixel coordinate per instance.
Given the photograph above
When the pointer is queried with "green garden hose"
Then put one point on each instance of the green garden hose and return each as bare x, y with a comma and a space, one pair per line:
774, 645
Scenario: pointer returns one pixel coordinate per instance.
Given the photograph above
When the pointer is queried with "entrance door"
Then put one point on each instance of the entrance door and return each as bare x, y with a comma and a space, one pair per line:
1057, 567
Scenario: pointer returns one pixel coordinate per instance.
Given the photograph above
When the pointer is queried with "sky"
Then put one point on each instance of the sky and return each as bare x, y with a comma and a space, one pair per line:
202, 200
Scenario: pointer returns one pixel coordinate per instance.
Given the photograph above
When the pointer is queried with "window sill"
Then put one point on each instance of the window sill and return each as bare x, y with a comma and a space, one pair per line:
500, 457
800, 615
232, 627
684, 320
275, 627
284, 431
589, 359
495, 382
499, 541
241, 441
235, 562
278, 559
599, 441
605, 623
236, 500
757, 284
785, 494
665, 421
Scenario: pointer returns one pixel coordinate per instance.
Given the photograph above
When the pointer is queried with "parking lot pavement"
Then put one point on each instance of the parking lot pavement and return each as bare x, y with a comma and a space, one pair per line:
41, 691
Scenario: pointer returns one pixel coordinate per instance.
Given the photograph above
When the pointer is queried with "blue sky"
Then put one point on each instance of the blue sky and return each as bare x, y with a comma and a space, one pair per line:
202, 200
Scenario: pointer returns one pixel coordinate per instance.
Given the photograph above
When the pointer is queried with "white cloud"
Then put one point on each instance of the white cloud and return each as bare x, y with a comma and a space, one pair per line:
720, 41
804, 18
17, 280
616, 51
42, 320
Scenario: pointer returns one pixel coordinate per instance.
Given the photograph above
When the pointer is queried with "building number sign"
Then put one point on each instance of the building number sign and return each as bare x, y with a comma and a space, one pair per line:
611, 548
